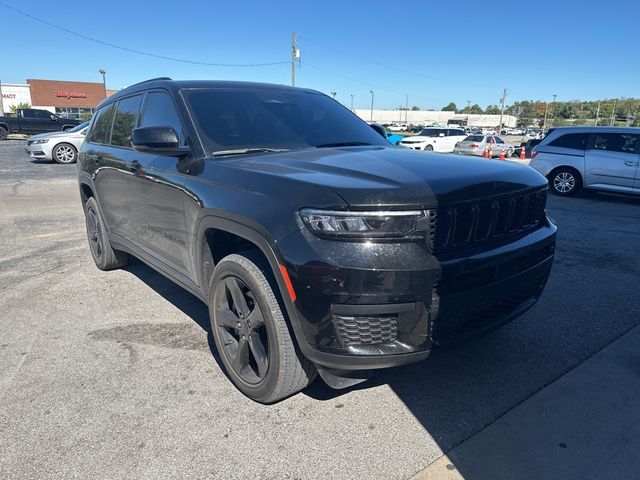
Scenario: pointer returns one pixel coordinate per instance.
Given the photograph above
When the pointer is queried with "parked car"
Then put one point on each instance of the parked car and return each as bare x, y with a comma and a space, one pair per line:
34, 121
598, 158
477, 144
59, 146
517, 131
434, 139
317, 246
533, 133
528, 146
397, 127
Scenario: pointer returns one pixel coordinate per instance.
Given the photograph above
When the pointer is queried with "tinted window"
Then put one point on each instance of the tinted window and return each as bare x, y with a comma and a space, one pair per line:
101, 126
474, 138
429, 132
29, 113
160, 112
42, 114
125, 121
616, 142
456, 132
274, 118
577, 141
498, 140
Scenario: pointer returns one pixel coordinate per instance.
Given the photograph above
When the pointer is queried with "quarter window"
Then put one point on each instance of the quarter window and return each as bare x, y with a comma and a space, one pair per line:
616, 142
125, 121
160, 112
101, 127
576, 141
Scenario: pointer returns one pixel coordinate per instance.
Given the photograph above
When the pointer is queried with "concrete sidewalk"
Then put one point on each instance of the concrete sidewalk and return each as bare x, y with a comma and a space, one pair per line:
585, 425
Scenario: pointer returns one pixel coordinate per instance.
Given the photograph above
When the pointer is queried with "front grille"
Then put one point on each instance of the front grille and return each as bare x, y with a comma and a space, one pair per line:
465, 225
369, 330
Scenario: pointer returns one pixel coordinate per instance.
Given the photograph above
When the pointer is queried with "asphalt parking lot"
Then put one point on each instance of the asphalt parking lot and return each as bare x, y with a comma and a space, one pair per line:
114, 375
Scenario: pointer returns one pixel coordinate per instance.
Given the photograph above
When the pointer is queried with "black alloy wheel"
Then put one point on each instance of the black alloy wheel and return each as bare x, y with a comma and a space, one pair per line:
241, 327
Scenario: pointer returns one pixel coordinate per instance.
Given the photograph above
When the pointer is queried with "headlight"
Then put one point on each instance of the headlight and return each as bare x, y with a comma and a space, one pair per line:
328, 223
44, 140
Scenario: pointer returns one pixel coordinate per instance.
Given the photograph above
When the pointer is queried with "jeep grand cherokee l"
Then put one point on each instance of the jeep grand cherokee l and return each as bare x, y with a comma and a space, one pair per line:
318, 247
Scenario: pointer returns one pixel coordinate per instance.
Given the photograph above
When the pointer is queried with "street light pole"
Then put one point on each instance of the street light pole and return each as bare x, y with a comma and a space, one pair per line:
372, 95
104, 80
333, 94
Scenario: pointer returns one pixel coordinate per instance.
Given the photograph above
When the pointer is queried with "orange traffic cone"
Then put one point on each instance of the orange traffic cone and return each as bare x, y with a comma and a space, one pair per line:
502, 156
522, 154
485, 153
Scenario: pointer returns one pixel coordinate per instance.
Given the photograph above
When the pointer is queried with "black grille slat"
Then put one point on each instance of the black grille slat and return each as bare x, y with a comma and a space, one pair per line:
460, 226
371, 330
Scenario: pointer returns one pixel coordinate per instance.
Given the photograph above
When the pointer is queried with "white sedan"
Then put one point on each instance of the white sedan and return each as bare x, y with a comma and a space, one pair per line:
59, 146
441, 140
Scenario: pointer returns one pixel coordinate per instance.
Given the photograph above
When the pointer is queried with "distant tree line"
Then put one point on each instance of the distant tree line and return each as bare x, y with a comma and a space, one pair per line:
573, 112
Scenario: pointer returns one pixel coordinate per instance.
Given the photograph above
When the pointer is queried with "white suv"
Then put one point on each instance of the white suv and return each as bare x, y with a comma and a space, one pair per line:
601, 158
435, 139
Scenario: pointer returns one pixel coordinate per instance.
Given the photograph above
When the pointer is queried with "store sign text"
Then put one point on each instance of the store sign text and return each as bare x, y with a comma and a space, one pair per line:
68, 95
8, 95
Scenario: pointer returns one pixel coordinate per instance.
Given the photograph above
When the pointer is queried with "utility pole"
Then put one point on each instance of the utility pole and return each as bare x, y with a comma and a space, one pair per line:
544, 123
103, 72
504, 95
352, 95
295, 55
406, 108
613, 114
468, 105
597, 115
372, 94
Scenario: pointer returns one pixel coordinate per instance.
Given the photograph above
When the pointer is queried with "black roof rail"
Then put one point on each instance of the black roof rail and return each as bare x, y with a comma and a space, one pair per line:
151, 80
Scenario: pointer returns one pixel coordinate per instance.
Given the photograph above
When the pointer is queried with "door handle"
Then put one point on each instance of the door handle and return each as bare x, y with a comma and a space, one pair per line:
134, 166
630, 163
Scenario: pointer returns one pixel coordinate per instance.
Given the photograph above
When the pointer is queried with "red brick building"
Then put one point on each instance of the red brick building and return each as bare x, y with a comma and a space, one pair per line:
69, 99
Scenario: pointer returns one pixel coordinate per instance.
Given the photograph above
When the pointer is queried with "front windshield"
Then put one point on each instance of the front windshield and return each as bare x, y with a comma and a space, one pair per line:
275, 119
78, 128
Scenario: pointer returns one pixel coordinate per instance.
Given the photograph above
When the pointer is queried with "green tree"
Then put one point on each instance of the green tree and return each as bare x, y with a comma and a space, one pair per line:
450, 108
492, 110
473, 109
86, 116
415, 108
19, 106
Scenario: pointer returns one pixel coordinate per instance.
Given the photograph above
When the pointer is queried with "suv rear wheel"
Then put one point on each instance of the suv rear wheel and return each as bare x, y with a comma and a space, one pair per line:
565, 181
104, 256
251, 334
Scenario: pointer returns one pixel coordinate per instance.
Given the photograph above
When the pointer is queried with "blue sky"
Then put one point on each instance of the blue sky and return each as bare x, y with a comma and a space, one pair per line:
435, 52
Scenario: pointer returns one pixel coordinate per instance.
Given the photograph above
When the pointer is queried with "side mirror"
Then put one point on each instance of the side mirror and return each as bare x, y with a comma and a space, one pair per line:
380, 129
441, 134
158, 140
53, 117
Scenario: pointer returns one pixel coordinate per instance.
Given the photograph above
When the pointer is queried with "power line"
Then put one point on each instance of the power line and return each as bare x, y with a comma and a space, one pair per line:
133, 50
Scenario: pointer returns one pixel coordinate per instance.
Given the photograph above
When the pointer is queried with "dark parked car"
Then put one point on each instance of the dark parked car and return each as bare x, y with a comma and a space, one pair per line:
317, 246
34, 121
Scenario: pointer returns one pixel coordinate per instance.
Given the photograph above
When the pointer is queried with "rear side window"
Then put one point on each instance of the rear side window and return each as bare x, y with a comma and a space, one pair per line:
29, 113
101, 127
429, 132
616, 142
456, 132
498, 140
160, 112
125, 120
576, 141
474, 138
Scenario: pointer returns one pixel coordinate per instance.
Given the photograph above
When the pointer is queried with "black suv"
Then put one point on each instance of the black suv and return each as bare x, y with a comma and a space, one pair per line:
317, 246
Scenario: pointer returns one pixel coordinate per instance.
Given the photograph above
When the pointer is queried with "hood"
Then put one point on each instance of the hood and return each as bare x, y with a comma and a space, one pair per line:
55, 135
366, 177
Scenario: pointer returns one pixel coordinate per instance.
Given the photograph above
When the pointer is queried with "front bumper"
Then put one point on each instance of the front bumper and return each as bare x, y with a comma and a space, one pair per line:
39, 151
368, 306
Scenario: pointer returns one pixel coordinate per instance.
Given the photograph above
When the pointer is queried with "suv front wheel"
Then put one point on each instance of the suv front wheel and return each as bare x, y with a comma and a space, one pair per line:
250, 332
104, 256
565, 181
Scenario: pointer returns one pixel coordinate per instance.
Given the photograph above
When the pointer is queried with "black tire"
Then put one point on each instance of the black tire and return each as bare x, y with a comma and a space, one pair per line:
428, 148
509, 153
64, 153
250, 331
565, 181
104, 255
3, 133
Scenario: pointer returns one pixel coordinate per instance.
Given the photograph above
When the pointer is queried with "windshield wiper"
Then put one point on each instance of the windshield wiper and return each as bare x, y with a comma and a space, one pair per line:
342, 144
242, 151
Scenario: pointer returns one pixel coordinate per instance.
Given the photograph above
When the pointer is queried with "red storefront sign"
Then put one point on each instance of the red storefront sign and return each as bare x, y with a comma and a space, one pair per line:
69, 95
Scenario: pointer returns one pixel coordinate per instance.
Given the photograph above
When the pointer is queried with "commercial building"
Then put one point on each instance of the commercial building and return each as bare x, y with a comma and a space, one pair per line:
65, 98
426, 117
